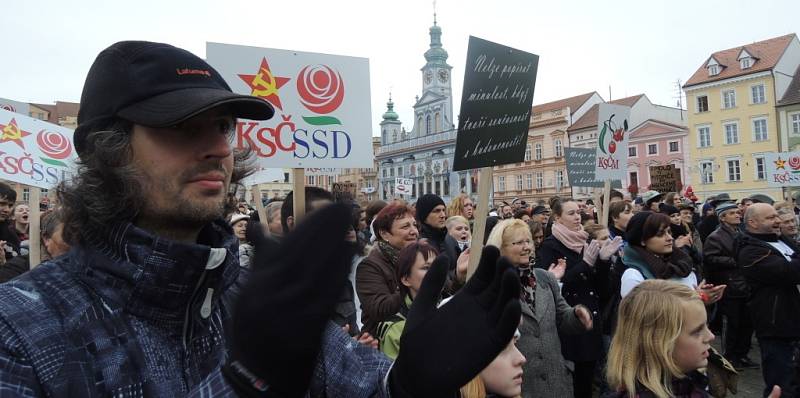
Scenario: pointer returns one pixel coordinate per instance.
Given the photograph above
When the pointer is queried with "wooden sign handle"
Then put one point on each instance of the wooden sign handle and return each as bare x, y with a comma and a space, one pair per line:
34, 229
479, 226
298, 194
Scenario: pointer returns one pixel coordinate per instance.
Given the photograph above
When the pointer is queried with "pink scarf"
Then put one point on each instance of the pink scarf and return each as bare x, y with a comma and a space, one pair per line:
574, 240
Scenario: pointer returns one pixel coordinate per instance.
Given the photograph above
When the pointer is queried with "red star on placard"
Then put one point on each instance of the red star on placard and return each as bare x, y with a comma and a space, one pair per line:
12, 132
264, 85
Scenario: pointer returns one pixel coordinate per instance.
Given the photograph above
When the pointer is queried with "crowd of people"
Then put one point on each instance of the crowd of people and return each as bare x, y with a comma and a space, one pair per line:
158, 281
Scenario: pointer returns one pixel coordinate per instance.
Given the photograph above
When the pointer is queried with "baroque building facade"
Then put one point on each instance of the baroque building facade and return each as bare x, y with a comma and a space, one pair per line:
424, 154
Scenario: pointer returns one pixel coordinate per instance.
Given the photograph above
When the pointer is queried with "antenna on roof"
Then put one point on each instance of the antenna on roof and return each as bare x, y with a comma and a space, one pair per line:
679, 96
609, 92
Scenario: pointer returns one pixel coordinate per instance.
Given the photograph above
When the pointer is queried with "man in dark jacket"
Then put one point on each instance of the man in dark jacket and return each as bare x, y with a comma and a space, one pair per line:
722, 269
431, 218
772, 268
151, 301
7, 198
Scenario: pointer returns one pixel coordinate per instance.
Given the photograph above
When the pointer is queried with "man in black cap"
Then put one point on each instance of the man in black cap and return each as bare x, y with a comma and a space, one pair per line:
151, 300
541, 214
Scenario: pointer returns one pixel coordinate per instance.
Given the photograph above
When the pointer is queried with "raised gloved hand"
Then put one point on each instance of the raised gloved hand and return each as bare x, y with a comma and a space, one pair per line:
590, 253
281, 313
610, 248
442, 349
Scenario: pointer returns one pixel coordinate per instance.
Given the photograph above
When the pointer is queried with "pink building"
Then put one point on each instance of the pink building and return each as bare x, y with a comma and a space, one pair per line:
659, 137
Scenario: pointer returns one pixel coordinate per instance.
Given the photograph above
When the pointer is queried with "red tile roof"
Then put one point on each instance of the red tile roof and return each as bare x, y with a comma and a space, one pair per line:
654, 127
792, 95
589, 119
572, 102
767, 52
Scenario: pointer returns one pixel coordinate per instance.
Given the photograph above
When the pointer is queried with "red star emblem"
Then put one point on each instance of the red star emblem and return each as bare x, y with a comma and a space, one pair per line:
264, 85
12, 132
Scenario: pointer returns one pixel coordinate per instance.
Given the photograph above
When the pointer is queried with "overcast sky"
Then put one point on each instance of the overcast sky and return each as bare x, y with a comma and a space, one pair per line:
633, 46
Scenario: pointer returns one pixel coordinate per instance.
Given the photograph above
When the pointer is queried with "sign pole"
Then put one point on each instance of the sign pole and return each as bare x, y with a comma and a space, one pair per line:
34, 230
481, 212
606, 200
298, 194
262, 212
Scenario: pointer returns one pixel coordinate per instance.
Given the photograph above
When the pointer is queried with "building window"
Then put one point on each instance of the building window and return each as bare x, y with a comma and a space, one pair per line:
707, 172
728, 99
734, 171
760, 129
746, 62
633, 176
539, 180
673, 147
713, 70
437, 118
391, 172
652, 149
731, 133
758, 93
537, 151
559, 151
704, 137
559, 179
529, 181
631, 151
527, 152
796, 124
501, 184
761, 168
519, 182
427, 124
702, 103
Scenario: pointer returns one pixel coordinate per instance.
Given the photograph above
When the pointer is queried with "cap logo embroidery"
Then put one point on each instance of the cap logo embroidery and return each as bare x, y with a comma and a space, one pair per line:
187, 71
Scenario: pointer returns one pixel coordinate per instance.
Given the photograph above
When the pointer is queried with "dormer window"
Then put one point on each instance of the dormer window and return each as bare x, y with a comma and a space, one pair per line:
713, 67
746, 60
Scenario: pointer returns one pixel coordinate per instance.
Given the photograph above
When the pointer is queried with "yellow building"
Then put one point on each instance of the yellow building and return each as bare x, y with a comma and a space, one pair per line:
732, 122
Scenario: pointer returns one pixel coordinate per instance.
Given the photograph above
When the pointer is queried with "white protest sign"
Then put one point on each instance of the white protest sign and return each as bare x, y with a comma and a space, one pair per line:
322, 171
322, 105
783, 169
402, 186
33, 152
612, 142
15, 106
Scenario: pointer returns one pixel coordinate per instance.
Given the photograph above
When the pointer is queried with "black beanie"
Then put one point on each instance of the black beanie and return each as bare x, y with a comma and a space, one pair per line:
667, 209
635, 229
425, 205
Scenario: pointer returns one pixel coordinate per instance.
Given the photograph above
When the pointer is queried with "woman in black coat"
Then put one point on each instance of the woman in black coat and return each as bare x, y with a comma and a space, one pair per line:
585, 279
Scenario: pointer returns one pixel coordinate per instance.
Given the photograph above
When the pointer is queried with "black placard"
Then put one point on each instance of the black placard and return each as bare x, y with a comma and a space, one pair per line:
580, 168
495, 105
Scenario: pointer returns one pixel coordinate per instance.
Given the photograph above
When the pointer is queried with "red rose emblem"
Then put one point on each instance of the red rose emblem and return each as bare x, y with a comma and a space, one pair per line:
321, 88
794, 162
54, 144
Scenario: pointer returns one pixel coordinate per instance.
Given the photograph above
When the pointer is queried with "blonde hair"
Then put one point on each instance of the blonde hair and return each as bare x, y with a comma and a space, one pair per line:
475, 389
456, 219
650, 321
593, 229
504, 229
457, 205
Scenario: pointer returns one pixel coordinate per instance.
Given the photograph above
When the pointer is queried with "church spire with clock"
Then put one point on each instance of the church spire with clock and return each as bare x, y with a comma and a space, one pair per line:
433, 111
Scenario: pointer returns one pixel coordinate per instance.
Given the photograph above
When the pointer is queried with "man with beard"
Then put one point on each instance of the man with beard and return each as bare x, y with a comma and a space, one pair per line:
151, 300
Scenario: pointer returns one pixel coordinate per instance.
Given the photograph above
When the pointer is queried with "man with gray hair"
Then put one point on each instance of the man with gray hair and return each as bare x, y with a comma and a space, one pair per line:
788, 223
771, 266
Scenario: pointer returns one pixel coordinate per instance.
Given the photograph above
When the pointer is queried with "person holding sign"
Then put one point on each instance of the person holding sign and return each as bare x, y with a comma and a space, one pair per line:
151, 301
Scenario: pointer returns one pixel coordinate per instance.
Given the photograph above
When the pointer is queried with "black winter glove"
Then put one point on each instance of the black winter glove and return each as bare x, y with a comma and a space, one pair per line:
442, 349
282, 310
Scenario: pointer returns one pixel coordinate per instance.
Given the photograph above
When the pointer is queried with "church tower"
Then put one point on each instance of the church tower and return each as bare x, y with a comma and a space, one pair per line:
390, 126
433, 111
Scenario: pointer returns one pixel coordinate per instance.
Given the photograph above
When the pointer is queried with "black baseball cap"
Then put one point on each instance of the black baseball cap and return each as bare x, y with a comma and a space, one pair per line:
156, 85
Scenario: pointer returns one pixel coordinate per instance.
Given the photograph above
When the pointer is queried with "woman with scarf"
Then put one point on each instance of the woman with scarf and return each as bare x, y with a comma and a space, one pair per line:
585, 282
545, 315
376, 280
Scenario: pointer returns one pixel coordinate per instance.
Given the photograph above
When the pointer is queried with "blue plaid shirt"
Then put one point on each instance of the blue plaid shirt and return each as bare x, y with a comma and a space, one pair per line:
135, 315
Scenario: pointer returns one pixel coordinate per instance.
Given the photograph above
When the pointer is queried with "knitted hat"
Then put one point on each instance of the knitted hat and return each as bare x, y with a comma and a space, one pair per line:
425, 205
667, 209
635, 229
238, 217
725, 207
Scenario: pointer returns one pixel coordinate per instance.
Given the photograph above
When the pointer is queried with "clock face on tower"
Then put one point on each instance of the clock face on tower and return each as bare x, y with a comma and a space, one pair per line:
428, 76
443, 75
